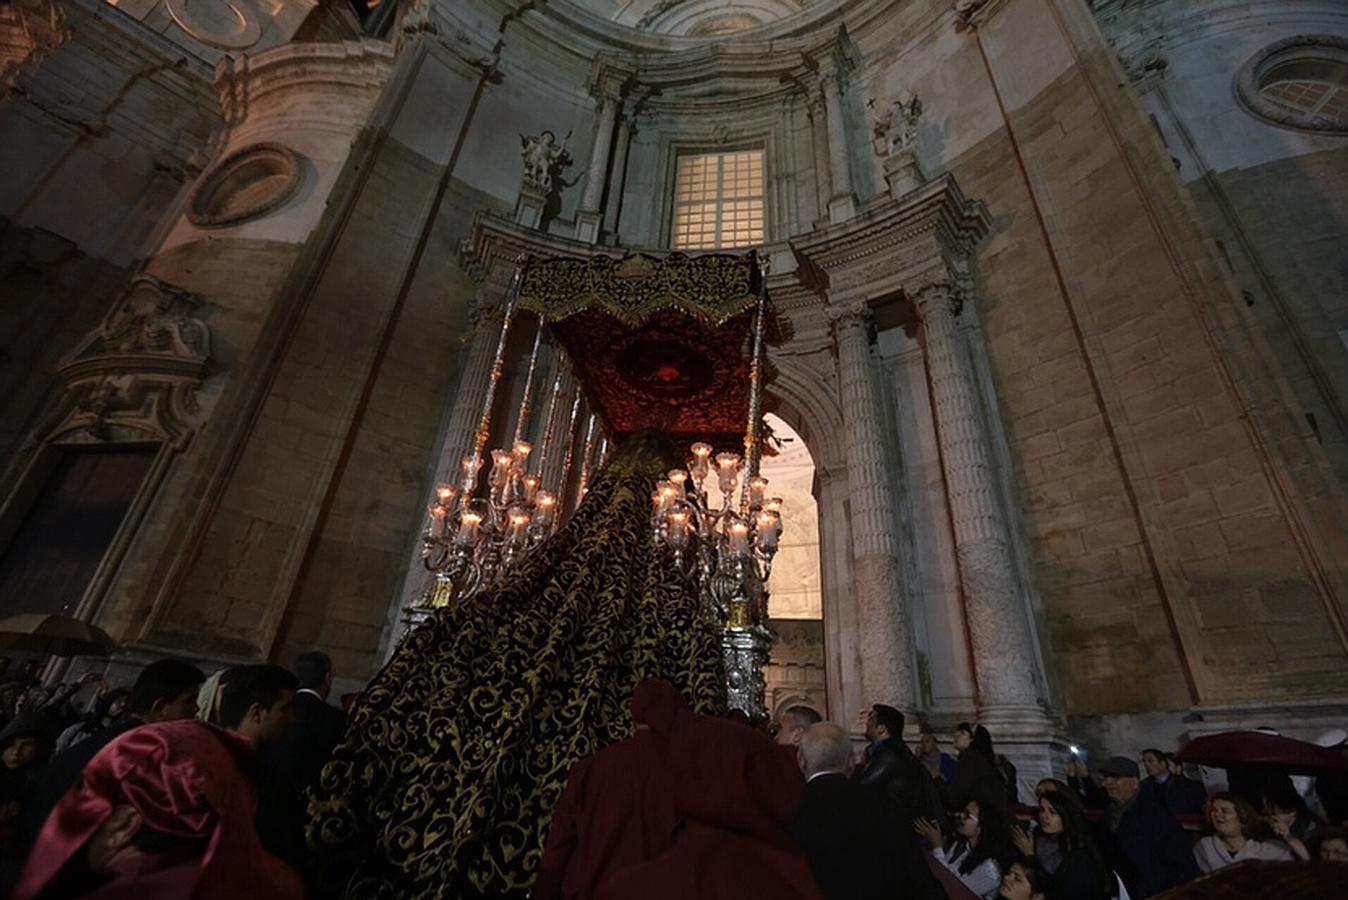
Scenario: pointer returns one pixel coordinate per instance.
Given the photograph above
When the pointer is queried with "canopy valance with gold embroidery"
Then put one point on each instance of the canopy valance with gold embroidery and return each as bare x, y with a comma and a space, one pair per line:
712, 288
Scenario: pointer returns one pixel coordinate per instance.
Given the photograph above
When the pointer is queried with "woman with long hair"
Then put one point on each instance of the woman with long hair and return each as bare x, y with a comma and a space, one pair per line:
976, 774
1232, 820
1063, 847
979, 849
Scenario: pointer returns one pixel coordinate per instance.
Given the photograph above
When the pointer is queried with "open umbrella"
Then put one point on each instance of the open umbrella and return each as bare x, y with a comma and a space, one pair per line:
52, 635
1236, 749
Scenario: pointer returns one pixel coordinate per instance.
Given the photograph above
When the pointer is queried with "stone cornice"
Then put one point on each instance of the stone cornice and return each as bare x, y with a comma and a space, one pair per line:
243, 82
894, 246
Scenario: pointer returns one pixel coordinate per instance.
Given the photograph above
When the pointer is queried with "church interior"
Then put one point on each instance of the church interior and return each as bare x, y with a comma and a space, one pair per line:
1010, 336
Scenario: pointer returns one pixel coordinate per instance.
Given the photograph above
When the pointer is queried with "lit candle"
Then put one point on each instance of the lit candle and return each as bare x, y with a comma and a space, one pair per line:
727, 467
678, 529
677, 477
436, 528
664, 495
501, 463
769, 529
444, 493
521, 452
468, 525
774, 505
757, 488
699, 463
739, 539
519, 521
545, 502
530, 483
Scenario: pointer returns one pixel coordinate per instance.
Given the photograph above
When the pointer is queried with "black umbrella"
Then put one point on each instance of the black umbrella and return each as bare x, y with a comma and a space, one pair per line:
52, 635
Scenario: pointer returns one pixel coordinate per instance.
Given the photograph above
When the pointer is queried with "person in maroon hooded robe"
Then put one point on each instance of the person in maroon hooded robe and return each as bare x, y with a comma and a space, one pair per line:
688, 806
163, 812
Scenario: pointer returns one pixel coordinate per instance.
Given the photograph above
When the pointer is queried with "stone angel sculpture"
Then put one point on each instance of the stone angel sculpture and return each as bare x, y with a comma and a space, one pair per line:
542, 156
895, 129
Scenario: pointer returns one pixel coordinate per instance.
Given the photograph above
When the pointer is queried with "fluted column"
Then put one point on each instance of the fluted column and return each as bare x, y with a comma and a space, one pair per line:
1004, 654
883, 621
479, 354
842, 204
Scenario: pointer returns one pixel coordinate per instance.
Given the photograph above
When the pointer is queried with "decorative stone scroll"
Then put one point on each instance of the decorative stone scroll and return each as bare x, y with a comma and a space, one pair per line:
136, 377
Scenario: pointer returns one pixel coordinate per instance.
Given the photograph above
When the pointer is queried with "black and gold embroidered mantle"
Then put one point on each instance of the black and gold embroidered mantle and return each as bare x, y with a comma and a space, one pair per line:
455, 757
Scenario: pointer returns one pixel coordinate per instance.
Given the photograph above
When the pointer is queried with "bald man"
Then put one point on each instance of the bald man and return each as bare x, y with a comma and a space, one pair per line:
857, 848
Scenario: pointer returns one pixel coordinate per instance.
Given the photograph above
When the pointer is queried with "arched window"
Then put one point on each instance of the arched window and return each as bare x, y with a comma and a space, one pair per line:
1301, 82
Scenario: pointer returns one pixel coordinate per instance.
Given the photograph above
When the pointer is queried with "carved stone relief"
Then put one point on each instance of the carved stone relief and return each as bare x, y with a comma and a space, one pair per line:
137, 375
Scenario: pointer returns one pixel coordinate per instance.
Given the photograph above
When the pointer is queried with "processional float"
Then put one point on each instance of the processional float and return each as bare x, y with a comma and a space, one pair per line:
676, 343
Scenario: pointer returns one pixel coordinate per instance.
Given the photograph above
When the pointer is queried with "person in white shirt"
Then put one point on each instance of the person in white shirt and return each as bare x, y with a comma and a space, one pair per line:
981, 841
1231, 819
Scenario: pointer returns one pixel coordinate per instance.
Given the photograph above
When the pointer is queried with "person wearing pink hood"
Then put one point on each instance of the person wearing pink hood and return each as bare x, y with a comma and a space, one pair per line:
163, 812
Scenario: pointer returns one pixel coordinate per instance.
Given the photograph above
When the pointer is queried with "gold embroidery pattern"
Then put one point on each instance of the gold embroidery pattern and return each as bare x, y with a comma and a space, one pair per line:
457, 753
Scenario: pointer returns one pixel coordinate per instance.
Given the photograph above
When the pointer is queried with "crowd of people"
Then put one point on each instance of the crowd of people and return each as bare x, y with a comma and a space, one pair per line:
178, 785
188, 785
1098, 835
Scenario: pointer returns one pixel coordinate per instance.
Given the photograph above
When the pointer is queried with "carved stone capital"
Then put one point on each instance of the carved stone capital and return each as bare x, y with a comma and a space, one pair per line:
609, 81
842, 313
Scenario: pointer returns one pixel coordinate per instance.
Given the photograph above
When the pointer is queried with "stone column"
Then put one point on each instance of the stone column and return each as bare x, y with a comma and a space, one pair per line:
1004, 654
883, 620
478, 356
609, 85
842, 205
617, 174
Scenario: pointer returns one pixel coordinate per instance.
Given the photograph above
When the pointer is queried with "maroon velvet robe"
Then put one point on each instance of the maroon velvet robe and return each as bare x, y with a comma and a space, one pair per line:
688, 807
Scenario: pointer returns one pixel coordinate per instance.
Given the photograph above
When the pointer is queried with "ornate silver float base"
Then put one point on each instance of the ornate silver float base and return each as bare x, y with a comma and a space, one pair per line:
746, 653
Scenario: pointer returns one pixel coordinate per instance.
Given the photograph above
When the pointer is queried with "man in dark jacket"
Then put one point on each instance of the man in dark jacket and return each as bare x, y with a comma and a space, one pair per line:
1150, 851
893, 770
856, 845
1182, 796
292, 763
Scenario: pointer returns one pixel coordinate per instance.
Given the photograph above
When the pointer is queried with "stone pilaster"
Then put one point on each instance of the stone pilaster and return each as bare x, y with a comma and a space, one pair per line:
883, 621
842, 204
479, 354
1004, 654
617, 174
608, 84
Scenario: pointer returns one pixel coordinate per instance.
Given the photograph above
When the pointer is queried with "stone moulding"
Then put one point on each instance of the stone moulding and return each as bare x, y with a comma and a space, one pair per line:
247, 184
1249, 80
357, 69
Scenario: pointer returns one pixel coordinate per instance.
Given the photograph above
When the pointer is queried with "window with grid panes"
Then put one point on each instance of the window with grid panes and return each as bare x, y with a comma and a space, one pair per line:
718, 200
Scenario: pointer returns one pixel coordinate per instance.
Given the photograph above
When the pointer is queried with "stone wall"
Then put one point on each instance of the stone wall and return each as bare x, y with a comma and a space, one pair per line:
1176, 526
